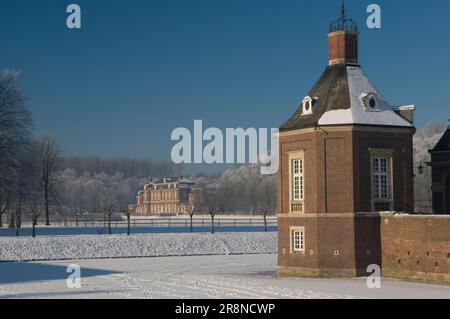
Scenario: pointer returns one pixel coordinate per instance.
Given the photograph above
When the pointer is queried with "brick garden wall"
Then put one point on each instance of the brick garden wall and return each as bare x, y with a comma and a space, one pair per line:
405, 246
416, 247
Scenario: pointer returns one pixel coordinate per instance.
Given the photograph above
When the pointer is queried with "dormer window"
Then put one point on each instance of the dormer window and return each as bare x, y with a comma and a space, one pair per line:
308, 105
371, 101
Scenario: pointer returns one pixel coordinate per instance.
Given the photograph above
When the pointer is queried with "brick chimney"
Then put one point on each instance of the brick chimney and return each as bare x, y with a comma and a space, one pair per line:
343, 40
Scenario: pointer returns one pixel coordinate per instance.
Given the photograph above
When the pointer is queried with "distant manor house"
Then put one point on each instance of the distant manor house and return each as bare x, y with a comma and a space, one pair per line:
164, 197
346, 169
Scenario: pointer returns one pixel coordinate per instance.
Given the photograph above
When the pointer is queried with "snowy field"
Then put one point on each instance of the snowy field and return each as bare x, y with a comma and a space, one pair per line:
76, 231
232, 276
122, 246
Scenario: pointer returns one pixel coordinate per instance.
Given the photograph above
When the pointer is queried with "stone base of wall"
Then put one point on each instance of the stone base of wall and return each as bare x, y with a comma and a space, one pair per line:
312, 272
417, 276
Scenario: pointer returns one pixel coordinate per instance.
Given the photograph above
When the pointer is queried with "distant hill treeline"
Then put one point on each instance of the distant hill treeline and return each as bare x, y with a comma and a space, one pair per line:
128, 167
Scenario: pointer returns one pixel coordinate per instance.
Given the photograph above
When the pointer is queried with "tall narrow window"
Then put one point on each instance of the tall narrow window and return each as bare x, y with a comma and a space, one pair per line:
380, 173
298, 187
296, 182
381, 179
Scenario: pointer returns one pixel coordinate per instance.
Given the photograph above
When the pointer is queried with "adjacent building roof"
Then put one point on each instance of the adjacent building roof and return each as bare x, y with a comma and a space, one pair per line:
444, 142
165, 182
342, 96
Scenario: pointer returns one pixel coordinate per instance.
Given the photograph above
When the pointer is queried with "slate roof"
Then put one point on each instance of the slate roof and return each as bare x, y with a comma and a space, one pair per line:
444, 142
338, 95
333, 94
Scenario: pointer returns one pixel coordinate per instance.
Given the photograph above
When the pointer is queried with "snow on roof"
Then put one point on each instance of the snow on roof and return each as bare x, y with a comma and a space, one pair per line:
186, 181
360, 87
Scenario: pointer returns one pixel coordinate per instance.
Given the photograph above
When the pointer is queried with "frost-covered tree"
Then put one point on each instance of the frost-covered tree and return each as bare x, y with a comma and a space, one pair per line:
424, 140
49, 155
15, 125
246, 190
28, 190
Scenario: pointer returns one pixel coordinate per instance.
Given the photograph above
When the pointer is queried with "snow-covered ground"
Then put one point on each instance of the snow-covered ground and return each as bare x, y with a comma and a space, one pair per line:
100, 230
224, 265
232, 276
122, 246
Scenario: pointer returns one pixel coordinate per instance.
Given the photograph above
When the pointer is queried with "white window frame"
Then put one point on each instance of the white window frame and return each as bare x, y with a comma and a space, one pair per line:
382, 177
297, 239
297, 183
298, 179
380, 171
308, 100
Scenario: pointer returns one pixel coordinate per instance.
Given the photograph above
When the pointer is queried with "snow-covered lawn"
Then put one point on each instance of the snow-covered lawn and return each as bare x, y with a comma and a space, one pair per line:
232, 276
100, 230
121, 246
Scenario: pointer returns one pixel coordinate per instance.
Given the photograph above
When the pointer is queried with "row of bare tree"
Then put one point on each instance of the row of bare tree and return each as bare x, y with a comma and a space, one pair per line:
28, 166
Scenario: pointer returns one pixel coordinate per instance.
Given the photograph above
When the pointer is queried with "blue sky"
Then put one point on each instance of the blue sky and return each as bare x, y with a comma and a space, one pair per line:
138, 69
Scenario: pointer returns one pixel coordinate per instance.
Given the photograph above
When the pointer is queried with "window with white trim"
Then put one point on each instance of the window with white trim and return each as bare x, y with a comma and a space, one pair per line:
298, 240
298, 181
381, 179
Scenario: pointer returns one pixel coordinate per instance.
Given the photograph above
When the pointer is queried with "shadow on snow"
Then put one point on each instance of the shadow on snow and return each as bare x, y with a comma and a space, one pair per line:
22, 272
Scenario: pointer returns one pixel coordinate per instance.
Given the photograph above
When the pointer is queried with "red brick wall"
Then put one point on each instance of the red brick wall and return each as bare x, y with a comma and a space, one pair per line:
343, 45
337, 189
400, 141
334, 244
329, 183
292, 143
337, 168
405, 246
336, 234
416, 247
288, 259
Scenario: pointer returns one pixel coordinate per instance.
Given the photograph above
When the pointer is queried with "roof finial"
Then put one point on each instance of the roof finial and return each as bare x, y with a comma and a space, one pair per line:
343, 23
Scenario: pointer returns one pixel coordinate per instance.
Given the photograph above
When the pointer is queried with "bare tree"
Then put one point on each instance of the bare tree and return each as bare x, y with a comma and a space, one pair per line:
127, 213
191, 207
50, 151
211, 203
109, 211
15, 125
212, 212
34, 211
267, 190
18, 218
28, 190
4, 202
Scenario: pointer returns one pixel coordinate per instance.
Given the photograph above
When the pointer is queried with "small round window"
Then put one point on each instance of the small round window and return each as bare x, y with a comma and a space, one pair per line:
372, 103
